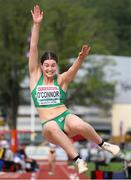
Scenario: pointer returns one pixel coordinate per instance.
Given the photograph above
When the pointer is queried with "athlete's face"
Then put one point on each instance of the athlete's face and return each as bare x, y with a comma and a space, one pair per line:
49, 68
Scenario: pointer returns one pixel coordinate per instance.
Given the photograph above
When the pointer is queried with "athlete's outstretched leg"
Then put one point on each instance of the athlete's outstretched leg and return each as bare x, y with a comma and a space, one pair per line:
73, 124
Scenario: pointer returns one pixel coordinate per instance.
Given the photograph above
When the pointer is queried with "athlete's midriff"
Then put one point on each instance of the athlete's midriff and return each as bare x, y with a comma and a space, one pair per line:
50, 113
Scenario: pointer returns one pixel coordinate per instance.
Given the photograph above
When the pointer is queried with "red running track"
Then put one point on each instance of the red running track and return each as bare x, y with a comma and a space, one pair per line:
62, 172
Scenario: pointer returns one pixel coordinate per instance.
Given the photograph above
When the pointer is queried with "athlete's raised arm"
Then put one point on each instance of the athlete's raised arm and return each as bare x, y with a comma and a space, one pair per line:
37, 16
69, 75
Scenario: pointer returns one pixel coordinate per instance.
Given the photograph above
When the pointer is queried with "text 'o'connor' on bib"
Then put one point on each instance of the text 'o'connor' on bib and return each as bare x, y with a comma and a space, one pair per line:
47, 95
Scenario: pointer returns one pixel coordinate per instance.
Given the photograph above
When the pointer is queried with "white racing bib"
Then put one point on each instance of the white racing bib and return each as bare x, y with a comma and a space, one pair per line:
47, 95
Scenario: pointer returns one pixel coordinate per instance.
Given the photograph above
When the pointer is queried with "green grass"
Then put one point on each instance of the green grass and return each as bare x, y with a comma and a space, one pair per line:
111, 167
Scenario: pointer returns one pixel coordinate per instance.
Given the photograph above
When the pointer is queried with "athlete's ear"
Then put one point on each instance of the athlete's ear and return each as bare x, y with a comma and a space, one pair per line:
41, 67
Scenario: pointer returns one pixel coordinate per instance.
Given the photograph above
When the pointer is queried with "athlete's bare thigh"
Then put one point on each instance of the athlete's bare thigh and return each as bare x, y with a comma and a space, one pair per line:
73, 124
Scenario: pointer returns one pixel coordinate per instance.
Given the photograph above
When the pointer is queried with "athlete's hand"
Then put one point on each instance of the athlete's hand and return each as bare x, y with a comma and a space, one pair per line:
37, 14
84, 52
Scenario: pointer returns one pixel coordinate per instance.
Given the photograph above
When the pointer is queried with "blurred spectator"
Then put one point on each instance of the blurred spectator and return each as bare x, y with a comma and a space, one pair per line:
2, 152
18, 159
27, 163
2, 155
6, 158
3, 141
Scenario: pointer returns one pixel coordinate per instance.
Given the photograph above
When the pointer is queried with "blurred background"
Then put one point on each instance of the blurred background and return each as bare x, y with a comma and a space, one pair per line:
101, 91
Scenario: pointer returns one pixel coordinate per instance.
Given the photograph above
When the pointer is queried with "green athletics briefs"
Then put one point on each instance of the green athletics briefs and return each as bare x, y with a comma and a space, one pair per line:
60, 120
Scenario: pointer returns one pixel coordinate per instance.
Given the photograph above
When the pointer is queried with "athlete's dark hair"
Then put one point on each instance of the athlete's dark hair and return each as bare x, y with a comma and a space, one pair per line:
47, 56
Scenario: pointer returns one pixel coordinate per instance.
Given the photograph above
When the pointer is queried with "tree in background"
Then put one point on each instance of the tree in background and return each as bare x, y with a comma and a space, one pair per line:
92, 86
14, 28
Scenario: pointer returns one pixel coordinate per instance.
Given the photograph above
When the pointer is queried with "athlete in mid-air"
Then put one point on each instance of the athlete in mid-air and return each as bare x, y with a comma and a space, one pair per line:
49, 92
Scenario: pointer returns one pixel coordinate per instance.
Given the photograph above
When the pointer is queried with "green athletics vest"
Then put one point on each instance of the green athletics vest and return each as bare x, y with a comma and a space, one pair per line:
46, 96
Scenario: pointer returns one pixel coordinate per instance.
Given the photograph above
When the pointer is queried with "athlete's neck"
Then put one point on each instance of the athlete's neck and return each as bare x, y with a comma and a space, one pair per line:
48, 80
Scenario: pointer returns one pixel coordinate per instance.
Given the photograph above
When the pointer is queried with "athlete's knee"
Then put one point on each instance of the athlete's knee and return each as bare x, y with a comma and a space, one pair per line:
50, 128
89, 127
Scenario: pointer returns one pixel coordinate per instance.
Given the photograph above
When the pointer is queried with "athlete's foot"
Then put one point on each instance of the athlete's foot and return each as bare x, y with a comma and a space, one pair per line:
81, 166
114, 149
